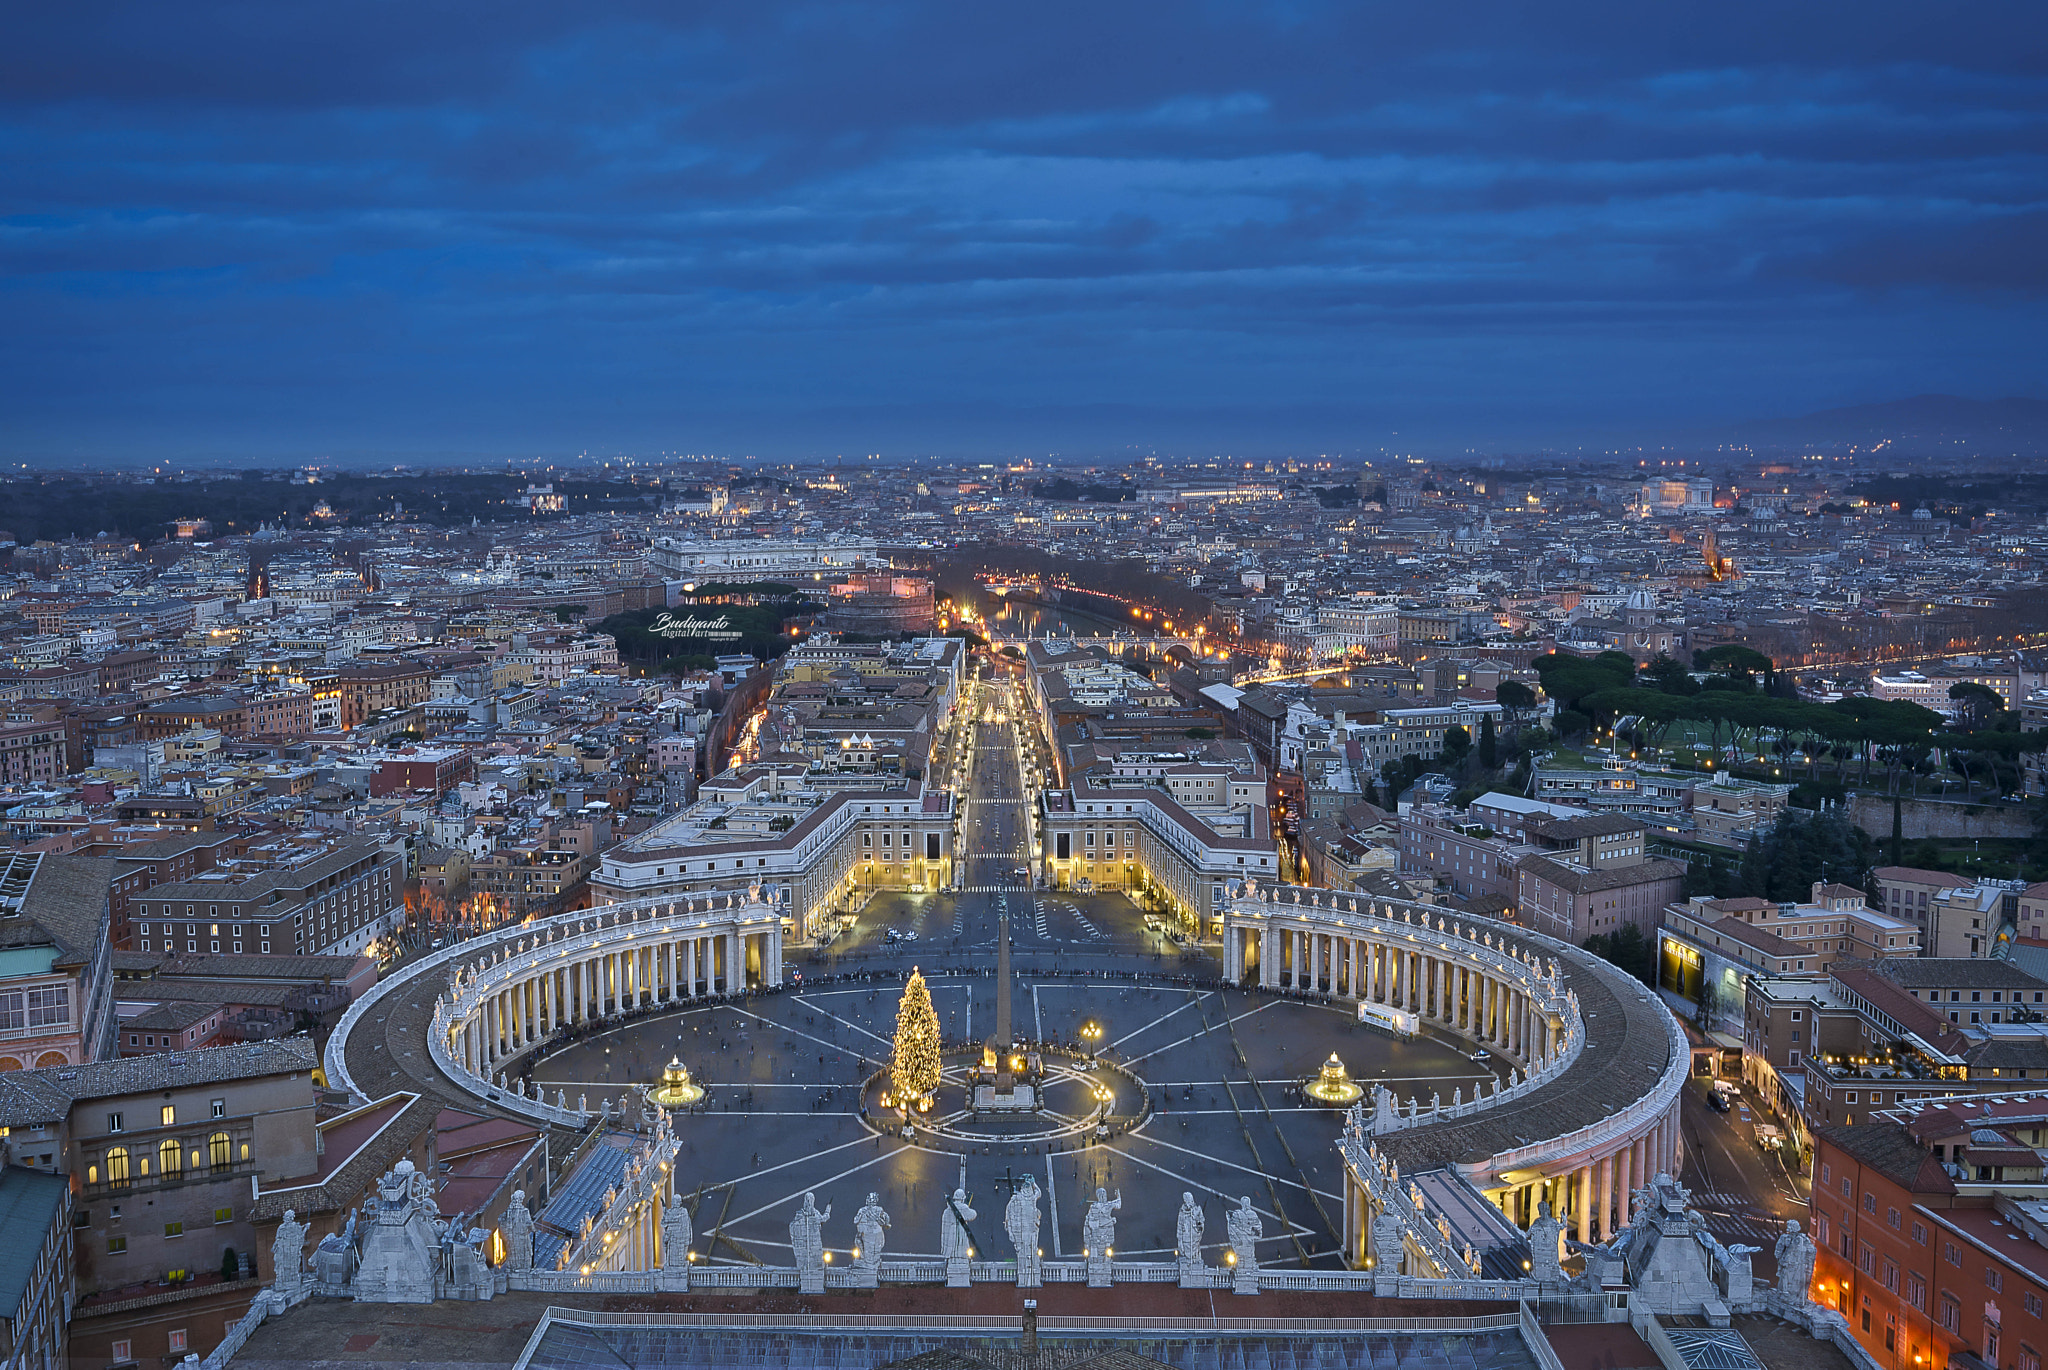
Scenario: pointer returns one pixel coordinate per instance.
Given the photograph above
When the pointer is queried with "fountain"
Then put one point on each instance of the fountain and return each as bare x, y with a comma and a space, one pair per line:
1334, 1085
677, 1089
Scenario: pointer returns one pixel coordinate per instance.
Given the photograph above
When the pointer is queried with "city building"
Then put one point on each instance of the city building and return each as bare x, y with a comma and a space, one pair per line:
56, 950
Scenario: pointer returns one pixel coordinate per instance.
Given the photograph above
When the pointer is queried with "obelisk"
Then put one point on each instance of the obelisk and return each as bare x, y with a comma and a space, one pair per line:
1006, 1080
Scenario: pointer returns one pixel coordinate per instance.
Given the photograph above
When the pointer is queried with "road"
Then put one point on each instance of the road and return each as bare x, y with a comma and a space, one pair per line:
1744, 1193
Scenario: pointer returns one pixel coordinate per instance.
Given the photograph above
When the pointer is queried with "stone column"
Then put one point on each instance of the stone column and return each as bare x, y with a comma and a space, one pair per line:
1606, 1200
1624, 1178
1269, 957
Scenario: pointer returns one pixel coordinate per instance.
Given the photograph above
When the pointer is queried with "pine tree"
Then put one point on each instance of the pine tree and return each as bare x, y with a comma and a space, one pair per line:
1489, 749
915, 1071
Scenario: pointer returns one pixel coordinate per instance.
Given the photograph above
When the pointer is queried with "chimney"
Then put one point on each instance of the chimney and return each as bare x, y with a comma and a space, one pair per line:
1030, 1344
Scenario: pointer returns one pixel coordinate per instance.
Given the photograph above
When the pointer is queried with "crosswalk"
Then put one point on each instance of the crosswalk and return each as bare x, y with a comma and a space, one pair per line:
1749, 1230
994, 889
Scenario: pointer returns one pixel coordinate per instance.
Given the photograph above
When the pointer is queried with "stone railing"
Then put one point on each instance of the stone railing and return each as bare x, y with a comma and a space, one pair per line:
1407, 1205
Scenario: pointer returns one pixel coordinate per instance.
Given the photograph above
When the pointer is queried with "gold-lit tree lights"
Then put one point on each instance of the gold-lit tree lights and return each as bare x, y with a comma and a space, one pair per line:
915, 1070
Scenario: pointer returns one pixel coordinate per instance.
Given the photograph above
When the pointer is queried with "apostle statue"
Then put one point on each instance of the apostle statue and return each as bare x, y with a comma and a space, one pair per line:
956, 1243
1245, 1227
1020, 1220
1188, 1226
807, 1243
1795, 1264
868, 1224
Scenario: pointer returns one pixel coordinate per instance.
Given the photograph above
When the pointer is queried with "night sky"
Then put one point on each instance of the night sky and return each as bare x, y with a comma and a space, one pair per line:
419, 229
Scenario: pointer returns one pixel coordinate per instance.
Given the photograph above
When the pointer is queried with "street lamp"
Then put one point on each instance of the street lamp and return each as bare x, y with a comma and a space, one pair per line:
1091, 1033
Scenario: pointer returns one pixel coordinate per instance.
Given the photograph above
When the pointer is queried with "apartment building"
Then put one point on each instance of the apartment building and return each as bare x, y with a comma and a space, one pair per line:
1932, 1228
297, 894
35, 753
1596, 876
820, 842
56, 977
1180, 825
36, 1283
161, 1156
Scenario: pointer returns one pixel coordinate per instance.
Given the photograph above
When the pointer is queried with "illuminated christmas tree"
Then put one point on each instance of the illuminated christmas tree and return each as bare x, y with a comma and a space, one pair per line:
915, 1071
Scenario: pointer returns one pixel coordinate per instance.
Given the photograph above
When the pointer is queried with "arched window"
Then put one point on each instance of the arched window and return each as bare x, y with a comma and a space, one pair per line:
217, 1151
117, 1165
170, 1157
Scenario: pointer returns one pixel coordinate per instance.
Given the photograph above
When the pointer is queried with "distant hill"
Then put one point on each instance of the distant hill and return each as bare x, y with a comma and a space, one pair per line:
1920, 424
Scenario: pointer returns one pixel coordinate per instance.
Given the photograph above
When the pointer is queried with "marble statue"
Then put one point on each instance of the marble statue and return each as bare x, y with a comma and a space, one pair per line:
807, 1244
1098, 1235
1020, 1220
676, 1237
517, 1229
1389, 1247
1739, 1286
1245, 1227
1189, 1225
1795, 1255
868, 1223
956, 1243
287, 1256
1543, 1233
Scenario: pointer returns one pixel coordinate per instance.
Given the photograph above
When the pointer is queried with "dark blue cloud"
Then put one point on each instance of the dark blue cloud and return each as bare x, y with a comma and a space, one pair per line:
247, 228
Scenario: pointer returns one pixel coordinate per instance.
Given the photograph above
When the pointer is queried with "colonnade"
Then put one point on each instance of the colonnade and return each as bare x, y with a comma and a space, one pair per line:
1452, 987
1497, 986
1593, 1193
509, 1005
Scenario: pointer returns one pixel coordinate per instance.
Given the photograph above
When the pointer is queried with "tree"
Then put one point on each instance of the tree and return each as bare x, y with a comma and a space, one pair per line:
1708, 1003
1457, 741
1627, 948
1489, 746
915, 1068
230, 1265
1978, 706
1514, 696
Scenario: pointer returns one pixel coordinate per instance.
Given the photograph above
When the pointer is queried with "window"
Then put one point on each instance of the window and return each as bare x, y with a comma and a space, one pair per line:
1826, 1177
1919, 1234
117, 1165
1869, 1202
114, 1119
123, 1351
170, 1157
174, 1229
218, 1151
2033, 1303
36, 1008
178, 1340
1891, 1218
1951, 1312
1994, 1279
220, 1110
170, 1114
1951, 1254
1865, 1261
1891, 1275
1916, 1292
223, 1215
2030, 1359
116, 1245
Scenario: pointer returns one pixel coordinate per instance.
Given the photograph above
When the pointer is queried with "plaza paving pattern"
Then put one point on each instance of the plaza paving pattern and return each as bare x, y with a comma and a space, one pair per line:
1221, 1068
